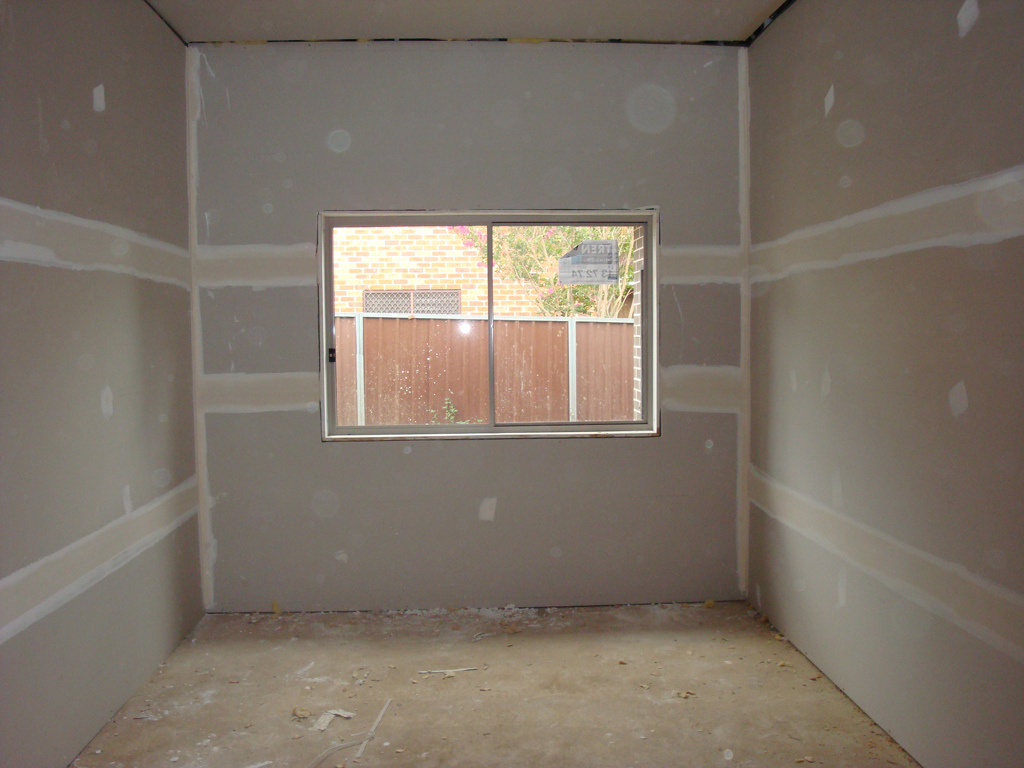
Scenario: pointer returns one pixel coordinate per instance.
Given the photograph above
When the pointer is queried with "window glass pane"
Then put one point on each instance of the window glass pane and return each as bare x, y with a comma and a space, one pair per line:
567, 323
410, 325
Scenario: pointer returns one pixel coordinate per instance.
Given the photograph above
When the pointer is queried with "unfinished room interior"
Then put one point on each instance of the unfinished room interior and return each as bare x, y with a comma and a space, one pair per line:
511, 383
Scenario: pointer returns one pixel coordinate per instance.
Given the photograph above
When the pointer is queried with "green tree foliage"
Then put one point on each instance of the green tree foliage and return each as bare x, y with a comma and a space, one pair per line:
529, 255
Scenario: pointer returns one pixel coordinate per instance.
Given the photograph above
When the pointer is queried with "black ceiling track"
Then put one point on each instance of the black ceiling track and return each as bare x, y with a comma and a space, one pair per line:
758, 32
723, 43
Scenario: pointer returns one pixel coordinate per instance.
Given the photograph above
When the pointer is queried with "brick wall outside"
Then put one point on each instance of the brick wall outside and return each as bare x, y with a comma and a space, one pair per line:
417, 258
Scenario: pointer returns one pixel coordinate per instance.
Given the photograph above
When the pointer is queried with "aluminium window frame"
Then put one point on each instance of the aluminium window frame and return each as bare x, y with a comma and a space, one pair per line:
649, 426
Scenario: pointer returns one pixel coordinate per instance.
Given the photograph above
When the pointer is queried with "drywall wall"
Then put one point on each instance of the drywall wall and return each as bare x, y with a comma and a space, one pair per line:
98, 536
283, 131
887, 265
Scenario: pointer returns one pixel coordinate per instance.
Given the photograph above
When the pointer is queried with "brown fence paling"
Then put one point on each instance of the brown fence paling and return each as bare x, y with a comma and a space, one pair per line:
434, 370
604, 371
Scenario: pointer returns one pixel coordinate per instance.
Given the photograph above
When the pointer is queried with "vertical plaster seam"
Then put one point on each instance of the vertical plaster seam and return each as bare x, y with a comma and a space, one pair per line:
743, 423
207, 543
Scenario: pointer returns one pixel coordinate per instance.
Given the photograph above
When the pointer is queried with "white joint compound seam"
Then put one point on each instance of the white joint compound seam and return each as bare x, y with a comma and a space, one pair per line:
35, 591
743, 423
207, 542
982, 211
988, 611
31, 235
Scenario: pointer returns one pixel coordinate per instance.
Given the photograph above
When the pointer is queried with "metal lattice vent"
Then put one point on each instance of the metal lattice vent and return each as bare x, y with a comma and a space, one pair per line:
387, 301
437, 302
410, 302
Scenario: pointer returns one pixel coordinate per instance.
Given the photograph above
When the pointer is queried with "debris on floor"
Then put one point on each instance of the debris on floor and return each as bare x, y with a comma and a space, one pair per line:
563, 670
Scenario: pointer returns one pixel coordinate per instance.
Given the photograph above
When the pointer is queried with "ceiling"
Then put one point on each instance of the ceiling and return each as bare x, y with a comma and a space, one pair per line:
631, 20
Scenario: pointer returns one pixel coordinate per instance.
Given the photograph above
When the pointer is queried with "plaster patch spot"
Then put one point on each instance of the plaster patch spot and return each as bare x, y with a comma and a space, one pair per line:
958, 399
850, 133
161, 478
107, 402
967, 17
99, 98
996, 558
85, 362
845, 182
287, 183
126, 499
837, 489
325, 504
279, 157
268, 207
312, 407
341, 556
65, 124
826, 383
407, 449
708, 445
556, 552
650, 108
727, 754
488, 508
339, 140
162, 418
830, 99
794, 385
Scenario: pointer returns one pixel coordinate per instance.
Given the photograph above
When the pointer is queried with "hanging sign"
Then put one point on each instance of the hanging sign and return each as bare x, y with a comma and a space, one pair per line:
592, 262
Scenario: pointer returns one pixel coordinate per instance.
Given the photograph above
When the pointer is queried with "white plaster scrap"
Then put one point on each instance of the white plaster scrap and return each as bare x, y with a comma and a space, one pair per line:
322, 722
99, 98
264, 764
958, 399
306, 668
107, 402
488, 508
341, 713
830, 99
967, 17
126, 499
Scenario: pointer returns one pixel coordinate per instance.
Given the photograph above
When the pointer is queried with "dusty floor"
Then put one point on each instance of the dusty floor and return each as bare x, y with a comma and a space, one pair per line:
665, 685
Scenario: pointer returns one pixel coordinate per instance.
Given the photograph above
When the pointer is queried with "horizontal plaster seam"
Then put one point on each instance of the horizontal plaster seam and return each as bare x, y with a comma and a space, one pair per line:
979, 212
31, 235
258, 392
915, 202
713, 388
256, 265
33, 592
988, 611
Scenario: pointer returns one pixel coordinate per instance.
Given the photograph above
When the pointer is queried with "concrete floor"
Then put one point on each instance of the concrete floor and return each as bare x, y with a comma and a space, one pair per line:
662, 685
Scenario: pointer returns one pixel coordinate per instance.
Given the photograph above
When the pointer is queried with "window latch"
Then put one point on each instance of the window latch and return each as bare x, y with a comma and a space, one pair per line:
331, 357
